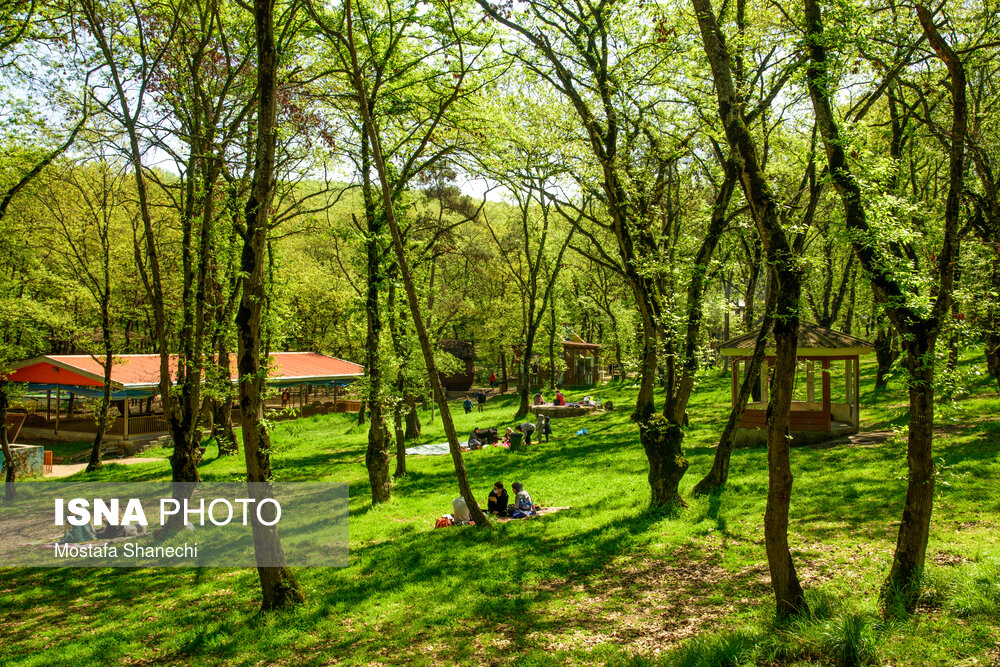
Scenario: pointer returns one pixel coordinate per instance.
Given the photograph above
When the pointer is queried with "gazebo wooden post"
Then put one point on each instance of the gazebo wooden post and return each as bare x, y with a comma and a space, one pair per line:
810, 381
848, 388
58, 406
735, 371
125, 411
48, 405
765, 386
826, 392
857, 391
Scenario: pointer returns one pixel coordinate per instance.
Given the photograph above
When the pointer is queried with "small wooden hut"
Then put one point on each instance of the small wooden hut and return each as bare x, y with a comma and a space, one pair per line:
465, 352
833, 410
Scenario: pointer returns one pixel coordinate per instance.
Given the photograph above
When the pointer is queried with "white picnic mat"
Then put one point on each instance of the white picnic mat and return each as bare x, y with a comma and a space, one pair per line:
429, 450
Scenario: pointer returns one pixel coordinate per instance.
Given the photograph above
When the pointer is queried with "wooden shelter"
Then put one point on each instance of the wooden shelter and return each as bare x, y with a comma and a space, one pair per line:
465, 352
582, 361
829, 406
137, 376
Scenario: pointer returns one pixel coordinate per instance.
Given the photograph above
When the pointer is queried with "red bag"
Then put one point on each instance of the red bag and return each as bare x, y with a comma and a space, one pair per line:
443, 522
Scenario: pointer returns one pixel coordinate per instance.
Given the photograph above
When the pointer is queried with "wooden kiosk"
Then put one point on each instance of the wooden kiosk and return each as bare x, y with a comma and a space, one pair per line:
831, 411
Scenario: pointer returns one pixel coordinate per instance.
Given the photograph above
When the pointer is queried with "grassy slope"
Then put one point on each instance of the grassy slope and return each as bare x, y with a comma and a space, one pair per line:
602, 581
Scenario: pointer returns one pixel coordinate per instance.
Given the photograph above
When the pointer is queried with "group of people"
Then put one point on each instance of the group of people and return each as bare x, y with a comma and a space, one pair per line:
498, 504
539, 398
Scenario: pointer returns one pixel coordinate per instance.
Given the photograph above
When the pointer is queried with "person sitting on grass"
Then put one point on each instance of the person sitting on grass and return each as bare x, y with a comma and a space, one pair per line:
498, 500
475, 441
460, 511
527, 428
77, 534
467, 404
522, 500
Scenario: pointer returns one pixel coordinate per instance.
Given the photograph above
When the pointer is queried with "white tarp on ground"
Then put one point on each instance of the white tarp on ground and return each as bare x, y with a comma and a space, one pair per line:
430, 450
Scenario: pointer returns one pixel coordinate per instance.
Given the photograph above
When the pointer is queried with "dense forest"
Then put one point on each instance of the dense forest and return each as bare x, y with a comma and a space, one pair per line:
372, 178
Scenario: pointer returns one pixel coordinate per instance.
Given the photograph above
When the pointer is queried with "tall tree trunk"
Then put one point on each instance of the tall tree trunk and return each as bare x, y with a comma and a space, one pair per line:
524, 386
679, 391
719, 474
886, 354
503, 371
727, 282
9, 491
660, 435
917, 330
787, 284
399, 406
397, 419
552, 349
377, 455
412, 417
903, 584
102, 410
278, 585
411, 294
222, 420
787, 589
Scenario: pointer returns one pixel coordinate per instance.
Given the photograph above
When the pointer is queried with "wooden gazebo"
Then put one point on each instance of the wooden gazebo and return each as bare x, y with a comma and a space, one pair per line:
812, 416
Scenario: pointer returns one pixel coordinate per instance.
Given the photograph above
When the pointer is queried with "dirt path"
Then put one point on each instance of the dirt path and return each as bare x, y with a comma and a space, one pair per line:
72, 468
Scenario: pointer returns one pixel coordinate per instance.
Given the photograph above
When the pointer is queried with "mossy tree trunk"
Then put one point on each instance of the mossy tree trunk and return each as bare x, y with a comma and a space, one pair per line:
786, 281
917, 329
279, 587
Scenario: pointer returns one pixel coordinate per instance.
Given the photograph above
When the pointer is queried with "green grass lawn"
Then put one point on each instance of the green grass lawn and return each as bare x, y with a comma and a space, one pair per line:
606, 581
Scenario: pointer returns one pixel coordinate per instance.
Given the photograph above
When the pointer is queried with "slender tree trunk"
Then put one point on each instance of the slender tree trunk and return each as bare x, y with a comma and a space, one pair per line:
278, 585
377, 455
9, 490
784, 580
903, 585
397, 418
918, 331
503, 372
222, 421
728, 286
679, 391
552, 349
399, 406
991, 349
524, 386
412, 417
102, 411
781, 256
411, 294
719, 474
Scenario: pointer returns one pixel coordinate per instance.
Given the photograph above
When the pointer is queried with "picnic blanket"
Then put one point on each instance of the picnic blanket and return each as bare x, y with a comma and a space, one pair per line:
429, 450
438, 449
542, 511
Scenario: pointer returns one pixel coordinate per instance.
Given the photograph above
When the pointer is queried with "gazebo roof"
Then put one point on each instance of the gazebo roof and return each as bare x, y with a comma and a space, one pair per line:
575, 340
461, 349
814, 340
